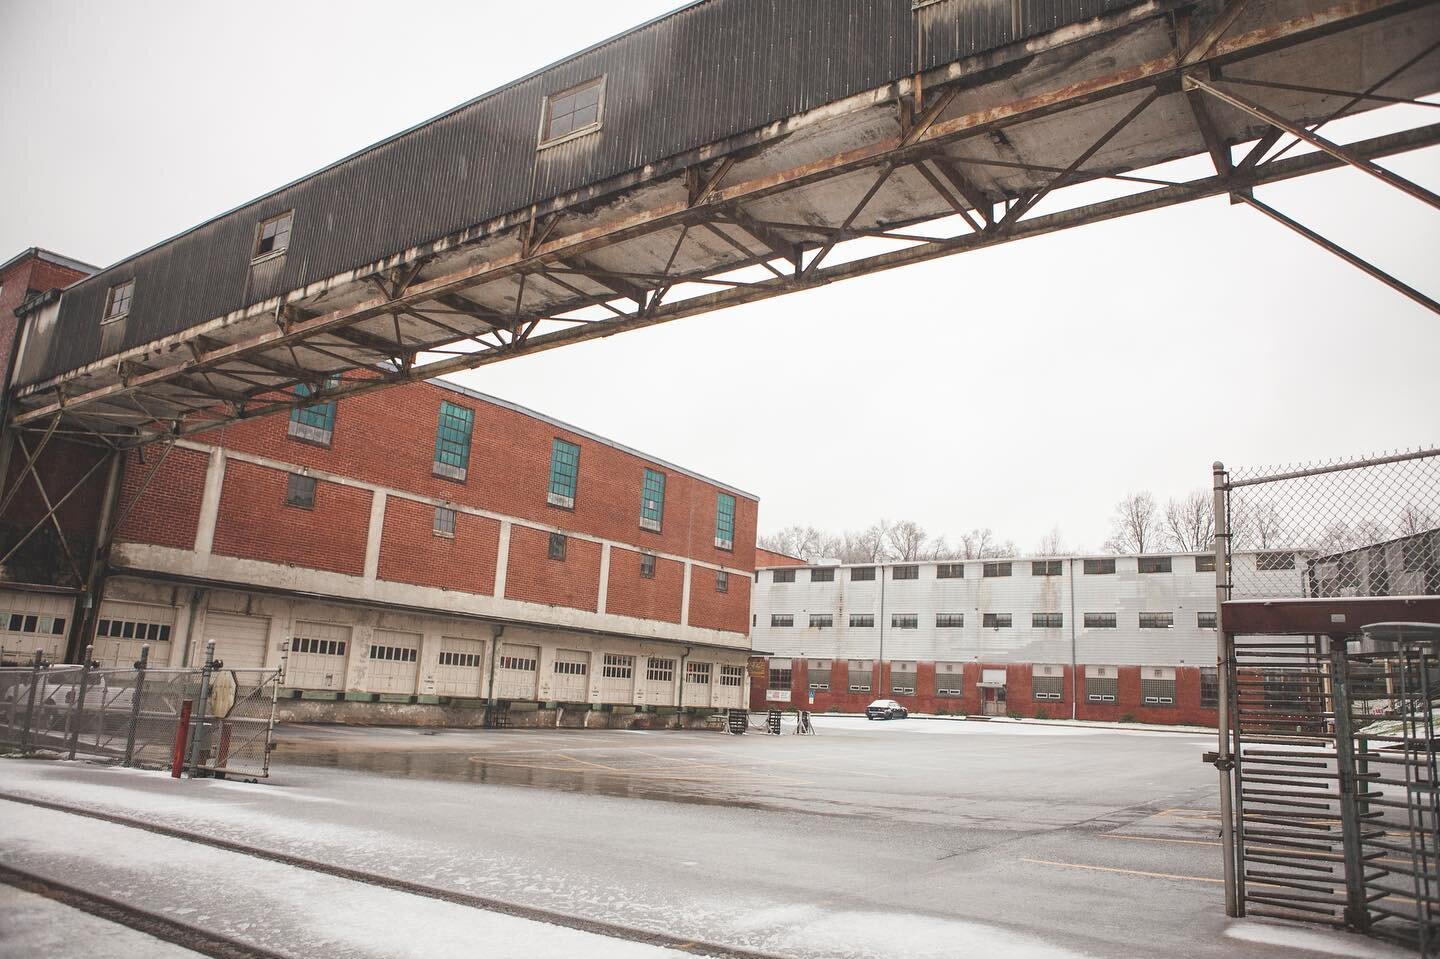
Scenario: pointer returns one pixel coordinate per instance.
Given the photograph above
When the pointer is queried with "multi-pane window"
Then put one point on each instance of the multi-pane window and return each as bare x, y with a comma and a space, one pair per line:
862, 620
859, 673
1154, 564
524, 663
453, 658
563, 667
724, 521
444, 521
822, 620
117, 302
1047, 620
1209, 687
315, 424
320, 647
732, 675
1157, 620
996, 621
698, 673
556, 549
1157, 686
949, 620
1273, 561
615, 666
817, 674
950, 571
904, 620
905, 572
394, 654
652, 500
822, 575
1048, 682
1102, 684
274, 235
722, 581
902, 678
452, 441
647, 565
1205, 620
300, 491
574, 111
862, 574
1100, 621
108, 628
782, 576
564, 473
949, 679
1205, 564
1046, 567
660, 670
780, 677
996, 569
782, 619
1099, 567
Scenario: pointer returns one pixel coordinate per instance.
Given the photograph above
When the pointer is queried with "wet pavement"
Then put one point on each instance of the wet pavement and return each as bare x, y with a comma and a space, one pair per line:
915, 838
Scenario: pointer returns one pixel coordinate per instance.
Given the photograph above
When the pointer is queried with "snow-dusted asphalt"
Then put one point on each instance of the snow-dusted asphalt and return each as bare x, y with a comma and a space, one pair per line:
908, 839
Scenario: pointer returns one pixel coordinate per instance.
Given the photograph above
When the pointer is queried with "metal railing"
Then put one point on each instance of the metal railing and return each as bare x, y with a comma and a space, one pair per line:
143, 716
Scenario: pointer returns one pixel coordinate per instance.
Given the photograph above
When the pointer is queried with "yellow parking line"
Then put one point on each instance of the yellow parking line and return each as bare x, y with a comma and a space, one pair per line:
1188, 842
1130, 872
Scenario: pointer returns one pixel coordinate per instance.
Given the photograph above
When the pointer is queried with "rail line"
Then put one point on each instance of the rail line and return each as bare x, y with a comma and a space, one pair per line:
200, 939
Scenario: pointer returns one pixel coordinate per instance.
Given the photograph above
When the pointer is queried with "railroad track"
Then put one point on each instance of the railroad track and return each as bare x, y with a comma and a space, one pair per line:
209, 944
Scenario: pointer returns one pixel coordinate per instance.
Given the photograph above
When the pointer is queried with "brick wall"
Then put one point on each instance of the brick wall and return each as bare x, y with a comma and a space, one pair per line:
531, 576
711, 610
768, 557
410, 552
255, 523
30, 274
167, 512
631, 594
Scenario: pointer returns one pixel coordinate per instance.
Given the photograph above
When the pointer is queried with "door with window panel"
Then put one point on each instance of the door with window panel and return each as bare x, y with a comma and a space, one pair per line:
730, 693
617, 678
394, 663
318, 655
516, 672
460, 669
33, 621
699, 678
123, 629
660, 681
570, 679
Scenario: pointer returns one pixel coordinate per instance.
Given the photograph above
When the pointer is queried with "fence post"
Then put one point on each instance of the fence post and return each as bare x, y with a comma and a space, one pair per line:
27, 733
1224, 761
199, 723
182, 728
78, 715
135, 704
1357, 915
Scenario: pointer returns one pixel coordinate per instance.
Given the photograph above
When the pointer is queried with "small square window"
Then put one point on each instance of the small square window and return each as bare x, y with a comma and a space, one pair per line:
1205, 564
1099, 567
117, 303
557, 546
1047, 620
574, 111
996, 620
1205, 620
722, 581
783, 576
905, 572
1046, 567
444, 521
950, 571
647, 565
300, 491
995, 569
1154, 564
822, 575
273, 237
862, 574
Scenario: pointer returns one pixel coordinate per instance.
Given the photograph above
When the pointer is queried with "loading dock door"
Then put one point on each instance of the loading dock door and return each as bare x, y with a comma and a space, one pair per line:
394, 662
460, 668
571, 680
660, 682
240, 641
617, 679
515, 672
317, 656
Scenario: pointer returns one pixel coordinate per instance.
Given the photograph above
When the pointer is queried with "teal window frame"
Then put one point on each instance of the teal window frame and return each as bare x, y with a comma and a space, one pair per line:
564, 473
315, 424
652, 490
453, 429
724, 521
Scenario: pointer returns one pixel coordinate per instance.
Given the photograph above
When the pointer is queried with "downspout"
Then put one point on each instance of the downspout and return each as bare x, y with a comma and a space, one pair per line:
1074, 664
680, 692
880, 663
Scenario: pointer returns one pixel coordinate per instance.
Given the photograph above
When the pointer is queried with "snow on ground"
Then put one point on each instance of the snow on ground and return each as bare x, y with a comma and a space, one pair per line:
32, 925
1314, 942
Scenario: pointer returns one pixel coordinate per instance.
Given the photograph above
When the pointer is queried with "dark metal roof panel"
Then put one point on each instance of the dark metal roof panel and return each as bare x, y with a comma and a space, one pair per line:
705, 72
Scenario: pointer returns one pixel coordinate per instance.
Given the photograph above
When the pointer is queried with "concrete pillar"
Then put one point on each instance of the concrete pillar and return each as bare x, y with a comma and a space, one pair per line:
502, 559
210, 502
685, 595
604, 578
374, 535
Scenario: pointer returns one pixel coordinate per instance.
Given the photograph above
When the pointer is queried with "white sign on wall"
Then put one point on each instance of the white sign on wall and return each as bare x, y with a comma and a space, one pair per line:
777, 695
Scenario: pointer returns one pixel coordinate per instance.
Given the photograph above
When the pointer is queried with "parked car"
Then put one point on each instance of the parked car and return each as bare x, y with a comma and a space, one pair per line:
886, 709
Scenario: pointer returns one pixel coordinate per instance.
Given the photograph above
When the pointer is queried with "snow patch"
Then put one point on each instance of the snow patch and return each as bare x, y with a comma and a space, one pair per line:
1313, 941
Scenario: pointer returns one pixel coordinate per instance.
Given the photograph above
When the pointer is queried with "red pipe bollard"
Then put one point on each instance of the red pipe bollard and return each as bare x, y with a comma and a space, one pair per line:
182, 733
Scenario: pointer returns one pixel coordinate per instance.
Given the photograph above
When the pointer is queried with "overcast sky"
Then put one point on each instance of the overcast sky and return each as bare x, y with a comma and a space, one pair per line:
1020, 387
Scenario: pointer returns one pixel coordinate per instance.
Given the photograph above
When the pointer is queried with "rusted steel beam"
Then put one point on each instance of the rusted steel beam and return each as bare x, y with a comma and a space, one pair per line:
1223, 21
1328, 92
1326, 616
1219, 152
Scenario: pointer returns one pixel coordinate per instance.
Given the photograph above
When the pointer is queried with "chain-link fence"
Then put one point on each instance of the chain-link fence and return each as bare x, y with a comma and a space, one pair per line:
1366, 527
209, 720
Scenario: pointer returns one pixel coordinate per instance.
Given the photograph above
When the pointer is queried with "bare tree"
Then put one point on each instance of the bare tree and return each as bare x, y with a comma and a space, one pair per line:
1190, 522
1265, 529
1051, 544
1135, 527
906, 540
864, 546
1414, 519
804, 542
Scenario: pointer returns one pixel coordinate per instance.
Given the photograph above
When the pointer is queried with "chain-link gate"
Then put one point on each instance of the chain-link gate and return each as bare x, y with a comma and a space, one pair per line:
1327, 581
139, 715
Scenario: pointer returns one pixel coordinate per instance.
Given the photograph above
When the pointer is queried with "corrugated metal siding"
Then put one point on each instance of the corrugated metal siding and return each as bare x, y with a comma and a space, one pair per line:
706, 72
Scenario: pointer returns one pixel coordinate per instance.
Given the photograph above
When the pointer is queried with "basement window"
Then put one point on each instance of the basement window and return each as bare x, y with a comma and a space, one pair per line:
117, 303
273, 236
573, 112
300, 491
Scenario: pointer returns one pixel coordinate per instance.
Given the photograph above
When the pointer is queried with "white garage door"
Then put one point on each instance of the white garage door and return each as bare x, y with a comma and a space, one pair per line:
124, 628
617, 679
660, 682
516, 672
317, 656
571, 680
31, 621
460, 668
240, 641
394, 661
